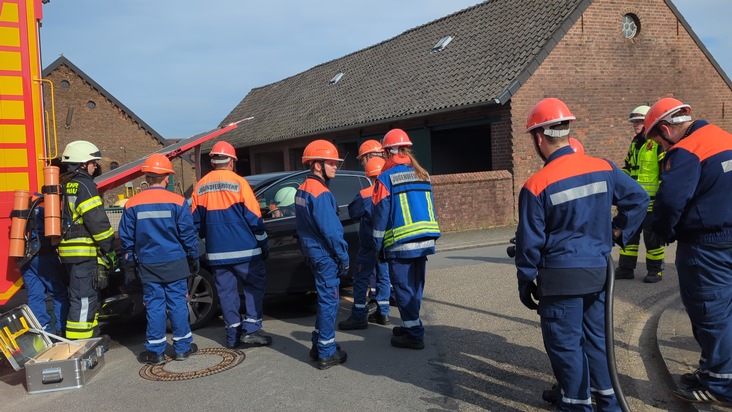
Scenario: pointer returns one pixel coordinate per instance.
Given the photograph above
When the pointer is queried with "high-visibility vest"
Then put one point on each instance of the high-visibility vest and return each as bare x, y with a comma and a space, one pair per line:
642, 164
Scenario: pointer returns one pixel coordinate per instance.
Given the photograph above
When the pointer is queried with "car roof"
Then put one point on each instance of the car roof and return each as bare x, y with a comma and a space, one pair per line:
265, 179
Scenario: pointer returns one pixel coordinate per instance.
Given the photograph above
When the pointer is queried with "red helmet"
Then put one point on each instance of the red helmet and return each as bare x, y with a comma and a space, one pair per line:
576, 145
369, 146
548, 112
159, 164
320, 150
395, 138
374, 165
223, 148
669, 110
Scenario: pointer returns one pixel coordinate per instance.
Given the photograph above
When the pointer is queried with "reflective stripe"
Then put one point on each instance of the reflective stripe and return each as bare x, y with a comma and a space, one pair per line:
89, 204
156, 214
250, 320
261, 237
236, 325
406, 213
154, 341
571, 401
378, 233
413, 246
430, 208
301, 201
325, 342
604, 392
578, 192
84, 312
720, 375
394, 235
411, 323
234, 255
188, 335
359, 305
726, 166
233, 187
382, 302
104, 235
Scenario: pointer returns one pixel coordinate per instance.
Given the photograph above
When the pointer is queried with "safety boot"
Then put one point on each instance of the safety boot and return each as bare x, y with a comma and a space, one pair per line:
624, 273
398, 331
151, 358
371, 307
257, 338
378, 318
183, 356
552, 395
314, 351
652, 278
352, 324
337, 358
691, 378
407, 341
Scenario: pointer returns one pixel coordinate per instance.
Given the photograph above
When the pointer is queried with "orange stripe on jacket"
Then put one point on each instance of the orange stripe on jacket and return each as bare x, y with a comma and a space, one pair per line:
565, 167
153, 196
706, 142
367, 193
313, 186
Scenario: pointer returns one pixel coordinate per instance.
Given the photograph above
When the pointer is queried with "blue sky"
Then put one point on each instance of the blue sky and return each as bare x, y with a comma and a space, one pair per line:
182, 66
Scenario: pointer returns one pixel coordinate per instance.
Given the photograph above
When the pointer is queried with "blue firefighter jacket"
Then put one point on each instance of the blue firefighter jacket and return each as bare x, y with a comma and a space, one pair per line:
564, 235
405, 225
317, 222
361, 208
227, 214
696, 180
156, 230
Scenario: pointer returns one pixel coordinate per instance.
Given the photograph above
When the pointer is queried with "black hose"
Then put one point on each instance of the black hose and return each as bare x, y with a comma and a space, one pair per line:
610, 336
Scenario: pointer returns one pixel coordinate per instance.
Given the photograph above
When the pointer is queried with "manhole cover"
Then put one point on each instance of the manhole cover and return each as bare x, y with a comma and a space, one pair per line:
228, 359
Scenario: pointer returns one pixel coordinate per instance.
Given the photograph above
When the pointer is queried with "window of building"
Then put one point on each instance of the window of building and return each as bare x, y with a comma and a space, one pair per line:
91, 105
631, 26
65, 84
269, 162
449, 154
113, 165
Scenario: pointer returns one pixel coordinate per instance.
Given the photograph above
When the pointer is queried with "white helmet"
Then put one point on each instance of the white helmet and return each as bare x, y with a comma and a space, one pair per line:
285, 196
639, 113
80, 151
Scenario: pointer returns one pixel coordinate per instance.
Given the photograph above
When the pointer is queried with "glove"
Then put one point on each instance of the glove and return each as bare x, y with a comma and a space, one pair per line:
130, 273
109, 261
343, 270
526, 291
193, 265
265, 250
101, 278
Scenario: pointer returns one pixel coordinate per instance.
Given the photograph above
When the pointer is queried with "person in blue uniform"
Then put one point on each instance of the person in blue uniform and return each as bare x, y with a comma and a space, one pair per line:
229, 217
322, 244
156, 233
563, 242
405, 231
691, 208
360, 208
44, 275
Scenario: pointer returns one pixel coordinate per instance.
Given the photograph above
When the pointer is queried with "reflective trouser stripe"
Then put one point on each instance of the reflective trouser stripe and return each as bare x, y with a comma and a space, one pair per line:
175, 339
655, 254
81, 330
630, 250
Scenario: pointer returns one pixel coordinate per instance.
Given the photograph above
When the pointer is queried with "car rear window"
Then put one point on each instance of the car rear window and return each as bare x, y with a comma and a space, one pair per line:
345, 187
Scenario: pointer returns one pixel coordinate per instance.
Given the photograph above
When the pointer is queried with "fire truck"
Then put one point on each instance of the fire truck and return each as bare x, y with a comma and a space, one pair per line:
28, 144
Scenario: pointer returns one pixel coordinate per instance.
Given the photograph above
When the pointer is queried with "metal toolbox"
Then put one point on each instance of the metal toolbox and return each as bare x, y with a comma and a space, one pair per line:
48, 366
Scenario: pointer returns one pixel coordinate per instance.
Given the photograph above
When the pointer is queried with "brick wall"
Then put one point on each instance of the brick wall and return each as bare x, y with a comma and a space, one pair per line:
465, 201
117, 135
602, 76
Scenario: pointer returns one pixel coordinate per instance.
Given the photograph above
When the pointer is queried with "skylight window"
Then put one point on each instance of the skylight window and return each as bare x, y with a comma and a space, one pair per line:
336, 78
441, 44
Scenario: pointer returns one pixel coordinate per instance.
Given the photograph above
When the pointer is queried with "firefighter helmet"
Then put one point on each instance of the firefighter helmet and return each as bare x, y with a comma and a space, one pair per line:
374, 165
576, 145
223, 148
369, 146
668, 110
395, 138
80, 151
639, 113
320, 150
285, 196
548, 112
158, 164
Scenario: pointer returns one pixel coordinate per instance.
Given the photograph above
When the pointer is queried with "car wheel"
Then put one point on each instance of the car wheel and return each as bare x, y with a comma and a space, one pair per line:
203, 301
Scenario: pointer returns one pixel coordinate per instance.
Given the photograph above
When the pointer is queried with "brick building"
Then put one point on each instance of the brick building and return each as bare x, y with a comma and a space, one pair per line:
462, 87
84, 110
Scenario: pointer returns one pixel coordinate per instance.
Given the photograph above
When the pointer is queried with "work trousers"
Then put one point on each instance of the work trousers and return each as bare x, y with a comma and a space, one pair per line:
327, 284
654, 249
573, 328
83, 300
366, 266
43, 276
407, 278
171, 298
705, 282
253, 278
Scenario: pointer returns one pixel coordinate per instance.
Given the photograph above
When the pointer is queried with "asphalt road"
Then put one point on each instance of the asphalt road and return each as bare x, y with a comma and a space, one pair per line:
483, 352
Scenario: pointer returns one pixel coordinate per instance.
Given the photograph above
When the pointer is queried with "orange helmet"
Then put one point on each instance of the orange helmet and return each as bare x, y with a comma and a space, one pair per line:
223, 148
374, 165
576, 145
320, 150
548, 112
668, 110
395, 138
158, 164
369, 146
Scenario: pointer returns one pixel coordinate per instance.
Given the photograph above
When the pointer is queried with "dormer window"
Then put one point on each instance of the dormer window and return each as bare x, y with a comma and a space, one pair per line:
441, 44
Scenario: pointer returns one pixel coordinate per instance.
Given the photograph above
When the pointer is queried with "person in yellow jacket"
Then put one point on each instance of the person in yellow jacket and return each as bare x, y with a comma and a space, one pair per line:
642, 164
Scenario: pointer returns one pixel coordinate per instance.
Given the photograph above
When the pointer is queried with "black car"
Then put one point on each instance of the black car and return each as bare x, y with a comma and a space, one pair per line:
287, 272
